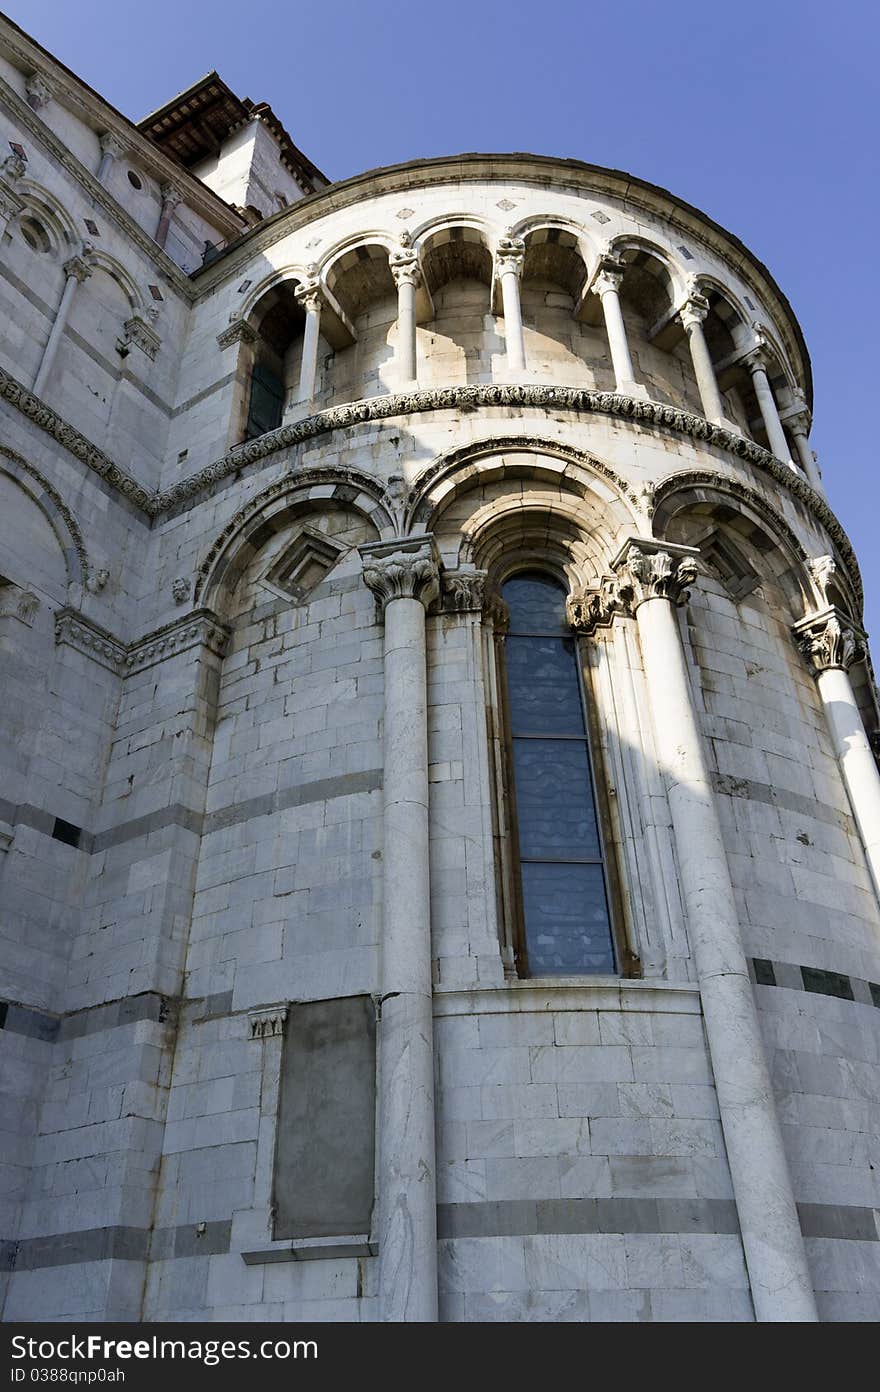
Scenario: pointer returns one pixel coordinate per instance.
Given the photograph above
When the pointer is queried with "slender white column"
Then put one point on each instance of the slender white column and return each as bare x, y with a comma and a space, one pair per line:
692, 315
652, 577
170, 199
799, 425
756, 362
111, 148
308, 295
404, 266
77, 269
403, 575
831, 644
509, 259
607, 286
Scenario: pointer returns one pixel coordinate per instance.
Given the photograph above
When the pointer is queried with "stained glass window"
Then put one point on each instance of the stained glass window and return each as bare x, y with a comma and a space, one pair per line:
564, 893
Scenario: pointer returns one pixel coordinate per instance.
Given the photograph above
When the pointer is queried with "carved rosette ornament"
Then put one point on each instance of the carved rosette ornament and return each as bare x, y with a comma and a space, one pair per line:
829, 639
403, 569
510, 255
648, 569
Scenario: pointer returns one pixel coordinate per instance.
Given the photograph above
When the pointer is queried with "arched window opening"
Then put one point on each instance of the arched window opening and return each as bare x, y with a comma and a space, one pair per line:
276, 360
562, 889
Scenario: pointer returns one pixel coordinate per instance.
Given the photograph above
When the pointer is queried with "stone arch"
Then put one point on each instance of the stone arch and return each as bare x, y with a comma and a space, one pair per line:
51, 211
569, 494
271, 511
102, 260
57, 513
250, 310
358, 274
696, 505
557, 250
455, 247
649, 271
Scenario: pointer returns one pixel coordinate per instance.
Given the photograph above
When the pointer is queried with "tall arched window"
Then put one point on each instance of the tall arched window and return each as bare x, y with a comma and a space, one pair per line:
563, 893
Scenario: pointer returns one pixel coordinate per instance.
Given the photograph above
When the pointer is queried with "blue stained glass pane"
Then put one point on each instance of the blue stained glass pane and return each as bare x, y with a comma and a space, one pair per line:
554, 800
566, 920
536, 604
543, 688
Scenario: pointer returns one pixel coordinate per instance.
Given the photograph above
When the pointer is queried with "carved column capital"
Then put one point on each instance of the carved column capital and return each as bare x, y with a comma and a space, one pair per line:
594, 608
404, 264
307, 293
510, 254
608, 280
650, 569
171, 196
111, 144
693, 311
462, 591
39, 91
18, 603
405, 568
268, 1022
829, 639
79, 267
239, 331
496, 614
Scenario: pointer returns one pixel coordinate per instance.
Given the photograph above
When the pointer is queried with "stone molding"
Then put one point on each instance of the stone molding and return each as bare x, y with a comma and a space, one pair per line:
650, 569
829, 640
89, 638
200, 629
267, 1022
405, 568
462, 591
95, 459
527, 395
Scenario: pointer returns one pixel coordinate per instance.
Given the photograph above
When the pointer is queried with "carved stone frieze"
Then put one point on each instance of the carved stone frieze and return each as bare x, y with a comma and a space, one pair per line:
829, 639
405, 568
142, 335
648, 569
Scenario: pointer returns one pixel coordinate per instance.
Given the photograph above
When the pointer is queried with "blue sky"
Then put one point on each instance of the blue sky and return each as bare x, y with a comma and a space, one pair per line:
761, 114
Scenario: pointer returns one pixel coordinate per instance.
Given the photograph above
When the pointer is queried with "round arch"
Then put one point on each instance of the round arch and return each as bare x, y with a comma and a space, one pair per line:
271, 510
57, 513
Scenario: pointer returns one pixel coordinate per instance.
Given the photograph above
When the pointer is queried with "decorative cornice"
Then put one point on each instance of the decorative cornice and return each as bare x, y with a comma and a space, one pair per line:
87, 637
268, 1022
462, 591
199, 629
583, 400
650, 569
46, 419
405, 568
829, 640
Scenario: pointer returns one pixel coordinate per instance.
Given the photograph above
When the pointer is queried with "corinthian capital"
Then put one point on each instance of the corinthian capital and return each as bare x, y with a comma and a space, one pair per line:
693, 311
307, 292
239, 331
405, 568
111, 144
171, 196
510, 255
649, 569
79, 267
404, 263
829, 639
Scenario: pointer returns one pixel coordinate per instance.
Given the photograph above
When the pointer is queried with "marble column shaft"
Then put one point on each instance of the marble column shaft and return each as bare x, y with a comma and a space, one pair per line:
77, 269
404, 577
652, 582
